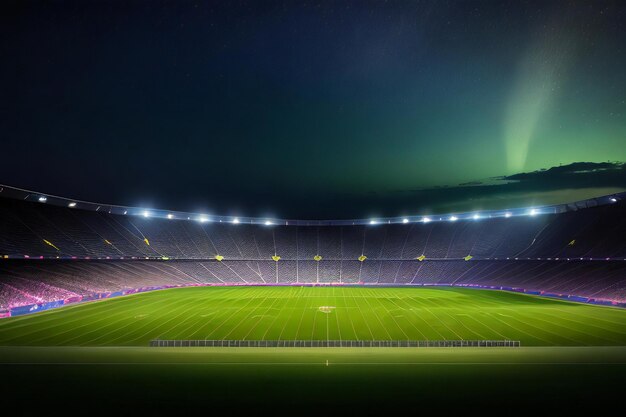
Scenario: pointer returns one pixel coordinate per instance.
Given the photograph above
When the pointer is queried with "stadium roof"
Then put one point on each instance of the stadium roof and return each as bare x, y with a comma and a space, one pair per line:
7, 191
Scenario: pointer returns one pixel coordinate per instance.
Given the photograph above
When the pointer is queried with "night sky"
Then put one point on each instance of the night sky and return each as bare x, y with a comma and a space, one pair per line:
313, 109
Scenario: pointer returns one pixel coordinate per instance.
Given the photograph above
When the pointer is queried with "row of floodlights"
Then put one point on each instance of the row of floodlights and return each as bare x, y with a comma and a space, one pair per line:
453, 218
202, 218
477, 216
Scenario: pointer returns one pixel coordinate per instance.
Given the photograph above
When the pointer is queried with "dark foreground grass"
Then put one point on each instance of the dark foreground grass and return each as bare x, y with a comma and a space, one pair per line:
166, 381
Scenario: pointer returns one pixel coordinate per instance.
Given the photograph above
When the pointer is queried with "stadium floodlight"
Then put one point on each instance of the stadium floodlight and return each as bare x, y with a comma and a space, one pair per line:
373, 222
613, 200
405, 221
71, 205
453, 218
426, 220
125, 211
43, 199
476, 216
507, 214
203, 219
146, 213
235, 220
533, 212
268, 223
170, 216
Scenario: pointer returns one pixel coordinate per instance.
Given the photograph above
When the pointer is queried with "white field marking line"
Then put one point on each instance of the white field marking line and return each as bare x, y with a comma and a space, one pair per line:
416, 312
150, 323
277, 297
326, 315
485, 325
332, 312
387, 297
424, 301
574, 312
253, 314
516, 330
332, 299
308, 305
181, 309
522, 315
356, 303
520, 330
220, 309
198, 319
220, 312
325, 301
477, 305
216, 307
445, 311
335, 303
184, 307
327, 327
340, 303
393, 297
236, 316
377, 318
247, 294
408, 319
356, 336
296, 292
304, 302
114, 326
562, 318
313, 326
64, 323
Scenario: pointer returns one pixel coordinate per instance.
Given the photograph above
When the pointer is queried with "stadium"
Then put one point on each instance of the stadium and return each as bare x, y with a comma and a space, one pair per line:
79, 275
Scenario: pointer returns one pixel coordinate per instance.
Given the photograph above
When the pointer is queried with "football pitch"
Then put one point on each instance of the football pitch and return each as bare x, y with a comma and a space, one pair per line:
95, 355
320, 313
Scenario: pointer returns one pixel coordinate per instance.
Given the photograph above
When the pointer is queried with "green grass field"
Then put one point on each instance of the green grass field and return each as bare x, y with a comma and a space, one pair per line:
298, 313
95, 357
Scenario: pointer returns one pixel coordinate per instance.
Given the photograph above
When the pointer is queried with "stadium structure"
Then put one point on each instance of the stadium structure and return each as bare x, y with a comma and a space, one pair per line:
57, 251
111, 308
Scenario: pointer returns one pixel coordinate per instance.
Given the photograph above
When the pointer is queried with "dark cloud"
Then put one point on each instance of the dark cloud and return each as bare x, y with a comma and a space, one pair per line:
555, 185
